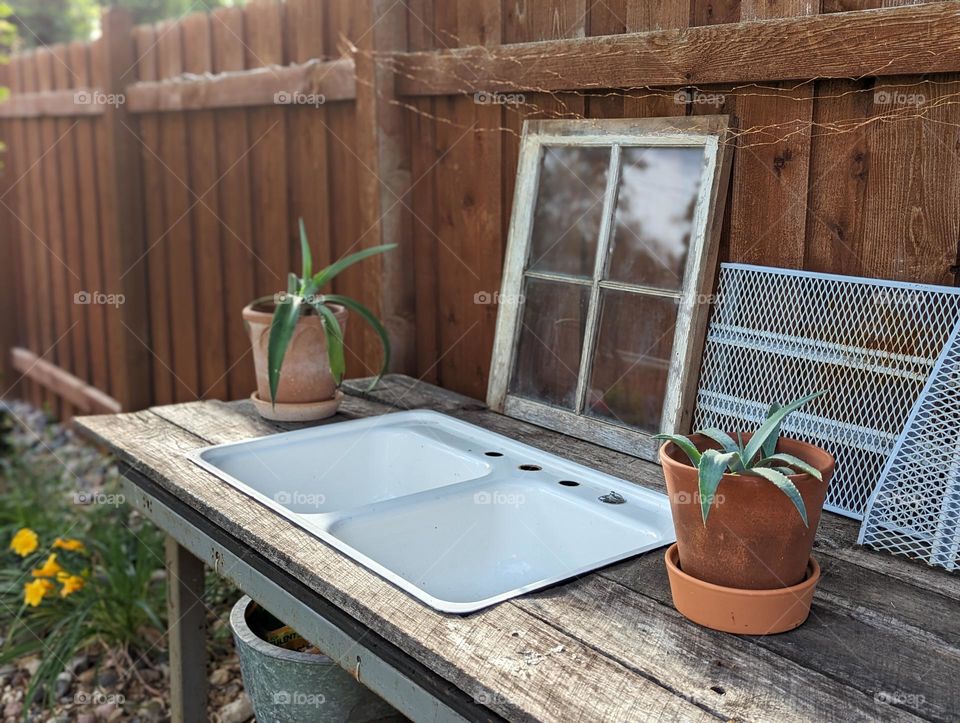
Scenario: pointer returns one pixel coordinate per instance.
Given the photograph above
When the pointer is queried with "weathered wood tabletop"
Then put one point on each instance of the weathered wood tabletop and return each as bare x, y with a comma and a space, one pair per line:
882, 641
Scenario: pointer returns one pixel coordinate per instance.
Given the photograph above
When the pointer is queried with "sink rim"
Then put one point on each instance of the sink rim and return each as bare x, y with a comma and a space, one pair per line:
653, 501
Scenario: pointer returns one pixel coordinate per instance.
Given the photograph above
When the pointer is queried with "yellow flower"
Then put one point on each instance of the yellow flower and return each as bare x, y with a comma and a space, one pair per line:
33, 592
49, 569
71, 583
24, 542
68, 544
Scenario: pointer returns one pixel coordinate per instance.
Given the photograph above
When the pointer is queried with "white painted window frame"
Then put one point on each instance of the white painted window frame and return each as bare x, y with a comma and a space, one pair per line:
712, 133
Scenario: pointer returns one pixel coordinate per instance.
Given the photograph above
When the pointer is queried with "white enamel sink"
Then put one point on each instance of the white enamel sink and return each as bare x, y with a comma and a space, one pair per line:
458, 516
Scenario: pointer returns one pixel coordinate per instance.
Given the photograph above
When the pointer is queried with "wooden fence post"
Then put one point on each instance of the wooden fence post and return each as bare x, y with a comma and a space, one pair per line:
121, 204
383, 148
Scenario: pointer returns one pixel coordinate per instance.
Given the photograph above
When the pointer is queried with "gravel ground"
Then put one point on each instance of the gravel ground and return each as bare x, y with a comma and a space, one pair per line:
114, 685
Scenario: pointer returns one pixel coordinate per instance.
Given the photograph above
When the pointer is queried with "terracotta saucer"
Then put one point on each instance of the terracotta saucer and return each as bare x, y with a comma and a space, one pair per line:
745, 612
308, 412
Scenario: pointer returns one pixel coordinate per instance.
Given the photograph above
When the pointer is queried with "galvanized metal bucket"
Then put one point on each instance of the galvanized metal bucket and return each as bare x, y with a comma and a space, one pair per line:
286, 685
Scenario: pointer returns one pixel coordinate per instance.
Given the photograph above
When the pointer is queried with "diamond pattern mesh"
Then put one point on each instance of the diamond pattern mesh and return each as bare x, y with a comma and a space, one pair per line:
915, 510
779, 334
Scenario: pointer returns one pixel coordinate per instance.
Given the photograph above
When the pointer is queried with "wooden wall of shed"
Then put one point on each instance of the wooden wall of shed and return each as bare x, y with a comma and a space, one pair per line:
878, 200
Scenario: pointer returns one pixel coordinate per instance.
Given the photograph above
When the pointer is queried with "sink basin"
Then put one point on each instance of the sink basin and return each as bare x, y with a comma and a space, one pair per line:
456, 515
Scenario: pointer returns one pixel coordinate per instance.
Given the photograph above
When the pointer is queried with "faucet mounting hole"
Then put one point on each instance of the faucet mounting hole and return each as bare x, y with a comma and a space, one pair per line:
569, 483
494, 454
530, 467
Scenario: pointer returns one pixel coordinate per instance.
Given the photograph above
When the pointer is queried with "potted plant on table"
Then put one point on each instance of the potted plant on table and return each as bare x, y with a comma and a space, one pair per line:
297, 339
746, 511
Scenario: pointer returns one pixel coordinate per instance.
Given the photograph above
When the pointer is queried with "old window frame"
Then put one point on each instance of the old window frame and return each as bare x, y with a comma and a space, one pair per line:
712, 133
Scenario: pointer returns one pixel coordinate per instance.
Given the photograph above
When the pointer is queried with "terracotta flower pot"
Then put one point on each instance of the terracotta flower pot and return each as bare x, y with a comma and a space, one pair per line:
744, 612
307, 388
754, 538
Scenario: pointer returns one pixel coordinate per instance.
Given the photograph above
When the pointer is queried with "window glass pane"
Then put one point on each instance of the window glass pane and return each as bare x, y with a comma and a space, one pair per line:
569, 206
550, 341
632, 358
654, 215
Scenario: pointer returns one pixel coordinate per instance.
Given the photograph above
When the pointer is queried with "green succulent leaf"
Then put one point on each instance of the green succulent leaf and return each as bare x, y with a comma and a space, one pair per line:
770, 445
685, 444
727, 443
788, 488
771, 427
793, 462
334, 336
305, 252
374, 323
713, 465
325, 276
285, 318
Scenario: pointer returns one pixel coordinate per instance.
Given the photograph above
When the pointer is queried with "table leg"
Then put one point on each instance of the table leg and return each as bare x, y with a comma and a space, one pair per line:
187, 631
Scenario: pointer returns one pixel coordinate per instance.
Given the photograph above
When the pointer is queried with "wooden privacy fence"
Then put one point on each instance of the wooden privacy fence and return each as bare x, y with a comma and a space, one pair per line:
154, 177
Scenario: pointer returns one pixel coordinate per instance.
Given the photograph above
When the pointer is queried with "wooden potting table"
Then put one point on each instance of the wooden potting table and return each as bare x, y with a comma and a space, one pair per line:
882, 642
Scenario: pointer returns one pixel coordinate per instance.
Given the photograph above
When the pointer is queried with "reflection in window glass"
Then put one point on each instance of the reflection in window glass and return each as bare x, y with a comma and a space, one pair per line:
568, 210
654, 215
550, 341
632, 359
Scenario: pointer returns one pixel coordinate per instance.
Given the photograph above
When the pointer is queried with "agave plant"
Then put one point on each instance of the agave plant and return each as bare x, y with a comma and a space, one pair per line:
303, 297
757, 457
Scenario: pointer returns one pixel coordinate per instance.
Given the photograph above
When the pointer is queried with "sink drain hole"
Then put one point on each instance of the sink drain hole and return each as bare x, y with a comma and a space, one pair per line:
494, 454
569, 483
530, 467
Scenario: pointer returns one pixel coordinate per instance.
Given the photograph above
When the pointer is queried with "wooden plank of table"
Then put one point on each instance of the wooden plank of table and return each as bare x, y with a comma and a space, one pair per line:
503, 656
731, 686
892, 41
746, 683
853, 602
187, 634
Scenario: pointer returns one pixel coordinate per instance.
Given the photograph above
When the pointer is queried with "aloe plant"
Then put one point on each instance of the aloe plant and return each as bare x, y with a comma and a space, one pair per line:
303, 297
757, 457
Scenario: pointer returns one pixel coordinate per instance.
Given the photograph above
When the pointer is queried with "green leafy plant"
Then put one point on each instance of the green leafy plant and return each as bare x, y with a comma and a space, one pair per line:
757, 457
303, 297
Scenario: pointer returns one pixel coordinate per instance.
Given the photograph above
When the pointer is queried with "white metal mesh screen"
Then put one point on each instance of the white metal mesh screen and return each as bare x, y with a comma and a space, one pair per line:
915, 509
779, 334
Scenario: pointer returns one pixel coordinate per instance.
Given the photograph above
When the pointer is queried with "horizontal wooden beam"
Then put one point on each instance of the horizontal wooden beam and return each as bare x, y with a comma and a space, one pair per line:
311, 83
59, 103
64, 384
893, 41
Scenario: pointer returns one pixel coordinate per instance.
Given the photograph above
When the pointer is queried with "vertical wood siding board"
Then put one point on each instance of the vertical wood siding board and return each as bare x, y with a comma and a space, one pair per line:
273, 241
157, 247
11, 276
307, 155
345, 22
88, 199
37, 222
770, 184
839, 168
421, 130
67, 129
385, 183
232, 191
53, 186
122, 217
20, 154
177, 232
207, 243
